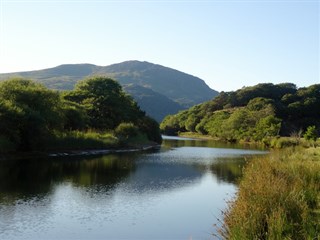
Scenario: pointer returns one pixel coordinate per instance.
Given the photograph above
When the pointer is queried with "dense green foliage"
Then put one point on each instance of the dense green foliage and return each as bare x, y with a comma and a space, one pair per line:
33, 117
161, 90
126, 130
311, 133
251, 113
28, 113
278, 198
105, 103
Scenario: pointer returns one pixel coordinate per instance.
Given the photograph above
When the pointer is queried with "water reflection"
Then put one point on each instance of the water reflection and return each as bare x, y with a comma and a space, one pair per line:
161, 170
157, 194
173, 142
35, 177
228, 169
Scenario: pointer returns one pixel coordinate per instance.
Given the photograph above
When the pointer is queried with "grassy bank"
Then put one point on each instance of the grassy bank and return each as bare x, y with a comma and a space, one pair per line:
278, 198
77, 140
73, 141
271, 142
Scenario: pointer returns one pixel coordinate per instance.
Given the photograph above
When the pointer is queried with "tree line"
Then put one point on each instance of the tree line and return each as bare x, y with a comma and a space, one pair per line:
31, 114
251, 113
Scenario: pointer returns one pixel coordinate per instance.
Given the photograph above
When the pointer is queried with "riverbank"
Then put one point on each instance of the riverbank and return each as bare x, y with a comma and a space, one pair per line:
278, 198
272, 142
74, 153
84, 144
196, 135
103, 151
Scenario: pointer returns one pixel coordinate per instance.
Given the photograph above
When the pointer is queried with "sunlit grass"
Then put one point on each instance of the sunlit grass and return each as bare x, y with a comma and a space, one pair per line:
83, 140
278, 198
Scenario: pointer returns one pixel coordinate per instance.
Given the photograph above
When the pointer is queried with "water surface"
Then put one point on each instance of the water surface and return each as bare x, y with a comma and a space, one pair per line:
176, 192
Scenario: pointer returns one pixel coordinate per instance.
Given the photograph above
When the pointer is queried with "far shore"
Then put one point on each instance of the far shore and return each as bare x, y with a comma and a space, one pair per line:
101, 151
73, 153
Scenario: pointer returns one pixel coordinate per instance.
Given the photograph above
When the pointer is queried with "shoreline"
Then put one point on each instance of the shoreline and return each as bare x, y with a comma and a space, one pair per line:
74, 153
100, 151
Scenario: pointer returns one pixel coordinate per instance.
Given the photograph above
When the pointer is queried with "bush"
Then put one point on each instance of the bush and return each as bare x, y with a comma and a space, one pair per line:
311, 134
283, 142
126, 131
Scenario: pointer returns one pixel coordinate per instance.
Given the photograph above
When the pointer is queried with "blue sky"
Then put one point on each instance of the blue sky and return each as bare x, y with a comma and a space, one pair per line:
229, 44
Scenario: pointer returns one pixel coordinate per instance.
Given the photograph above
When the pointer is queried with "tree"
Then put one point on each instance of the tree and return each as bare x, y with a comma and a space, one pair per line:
214, 123
107, 106
267, 127
311, 134
170, 125
105, 102
29, 113
9, 124
191, 122
75, 116
259, 103
150, 127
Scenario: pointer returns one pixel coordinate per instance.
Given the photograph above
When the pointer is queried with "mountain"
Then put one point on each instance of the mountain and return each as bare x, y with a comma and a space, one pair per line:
180, 87
177, 90
62, 77
155, 104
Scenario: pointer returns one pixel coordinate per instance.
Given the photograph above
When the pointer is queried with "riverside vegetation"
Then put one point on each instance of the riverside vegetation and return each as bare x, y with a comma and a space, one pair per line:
96, 114
278, 198
279, 195
260, 113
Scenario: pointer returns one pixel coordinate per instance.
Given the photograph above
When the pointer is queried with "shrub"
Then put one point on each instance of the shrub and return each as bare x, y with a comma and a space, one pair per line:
283, 142
311, 134
125, 131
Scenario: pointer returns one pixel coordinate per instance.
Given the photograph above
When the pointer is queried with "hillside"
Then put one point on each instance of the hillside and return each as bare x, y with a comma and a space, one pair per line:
181, 88
251, 113
155, 104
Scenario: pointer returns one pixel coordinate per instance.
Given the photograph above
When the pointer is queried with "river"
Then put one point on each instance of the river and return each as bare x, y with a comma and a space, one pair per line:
175, 192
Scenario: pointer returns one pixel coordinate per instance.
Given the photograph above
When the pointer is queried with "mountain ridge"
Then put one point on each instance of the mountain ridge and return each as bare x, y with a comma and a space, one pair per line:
183, 89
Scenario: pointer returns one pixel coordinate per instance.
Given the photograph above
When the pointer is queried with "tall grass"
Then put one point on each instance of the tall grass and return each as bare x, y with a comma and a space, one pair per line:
284, 142
278, 198
75, 140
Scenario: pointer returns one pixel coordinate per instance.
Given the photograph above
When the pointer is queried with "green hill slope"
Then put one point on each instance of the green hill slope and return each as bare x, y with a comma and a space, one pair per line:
180, 87
154, 104
251, 113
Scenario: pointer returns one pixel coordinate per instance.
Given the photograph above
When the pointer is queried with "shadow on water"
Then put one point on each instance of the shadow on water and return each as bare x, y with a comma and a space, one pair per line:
159, 170
35, 177
228, 170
